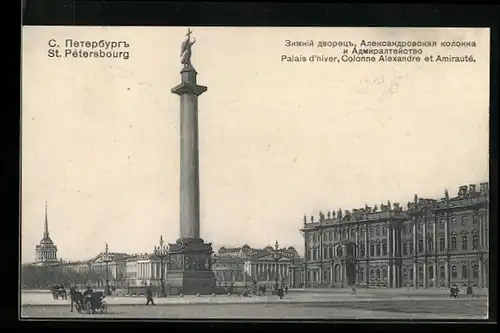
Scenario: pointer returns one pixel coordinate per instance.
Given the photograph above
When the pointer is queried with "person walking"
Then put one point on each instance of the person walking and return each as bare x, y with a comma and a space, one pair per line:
149, 295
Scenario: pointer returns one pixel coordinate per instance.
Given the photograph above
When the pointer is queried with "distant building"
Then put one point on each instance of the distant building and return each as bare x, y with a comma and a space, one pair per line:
46, 251
145, 269
431, 243
242, 265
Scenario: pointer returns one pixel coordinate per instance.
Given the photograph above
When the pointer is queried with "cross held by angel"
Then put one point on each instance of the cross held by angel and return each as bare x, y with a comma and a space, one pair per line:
186, 49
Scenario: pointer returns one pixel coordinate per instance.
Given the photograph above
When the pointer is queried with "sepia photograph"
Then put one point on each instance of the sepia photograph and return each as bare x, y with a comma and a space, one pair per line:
254, 173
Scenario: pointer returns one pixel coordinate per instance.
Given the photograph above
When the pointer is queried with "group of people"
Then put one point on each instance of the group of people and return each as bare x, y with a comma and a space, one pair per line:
454, 291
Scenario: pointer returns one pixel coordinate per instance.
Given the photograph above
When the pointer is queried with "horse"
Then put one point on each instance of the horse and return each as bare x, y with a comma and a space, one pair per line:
76, 298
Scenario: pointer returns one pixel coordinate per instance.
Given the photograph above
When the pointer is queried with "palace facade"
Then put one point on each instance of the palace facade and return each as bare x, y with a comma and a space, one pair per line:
431, 243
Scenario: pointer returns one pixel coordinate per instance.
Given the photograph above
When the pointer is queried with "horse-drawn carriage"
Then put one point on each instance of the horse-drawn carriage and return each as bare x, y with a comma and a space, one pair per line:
95, 302
58, 291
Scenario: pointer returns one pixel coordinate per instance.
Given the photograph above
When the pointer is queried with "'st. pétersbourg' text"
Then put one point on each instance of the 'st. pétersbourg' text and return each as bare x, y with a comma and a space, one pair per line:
102, 49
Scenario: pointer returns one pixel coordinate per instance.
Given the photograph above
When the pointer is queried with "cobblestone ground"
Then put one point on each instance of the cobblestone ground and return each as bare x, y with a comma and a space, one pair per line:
380, 309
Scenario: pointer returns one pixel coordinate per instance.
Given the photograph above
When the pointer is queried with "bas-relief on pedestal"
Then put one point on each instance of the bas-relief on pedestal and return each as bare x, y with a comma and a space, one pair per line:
189, 270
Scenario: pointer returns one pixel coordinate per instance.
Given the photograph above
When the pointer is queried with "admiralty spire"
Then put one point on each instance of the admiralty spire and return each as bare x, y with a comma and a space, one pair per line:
46, 251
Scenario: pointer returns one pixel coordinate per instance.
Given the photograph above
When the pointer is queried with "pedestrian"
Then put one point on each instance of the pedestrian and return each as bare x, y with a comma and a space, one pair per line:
469, 290
149, 295
286, 289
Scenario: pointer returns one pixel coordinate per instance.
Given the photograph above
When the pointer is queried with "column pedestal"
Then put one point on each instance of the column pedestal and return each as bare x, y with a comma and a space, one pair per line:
189, 268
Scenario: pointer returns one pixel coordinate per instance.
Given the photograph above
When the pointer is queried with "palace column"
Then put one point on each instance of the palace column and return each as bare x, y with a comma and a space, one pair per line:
395, 258
425, 249
389, 254
435, 249
415, 254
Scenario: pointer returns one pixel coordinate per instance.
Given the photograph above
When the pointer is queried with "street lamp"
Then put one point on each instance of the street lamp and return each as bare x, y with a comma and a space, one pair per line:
276, 256
161, 252
106, 258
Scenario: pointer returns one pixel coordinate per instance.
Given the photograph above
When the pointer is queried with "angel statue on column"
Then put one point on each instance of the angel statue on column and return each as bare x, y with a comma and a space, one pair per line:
186, 49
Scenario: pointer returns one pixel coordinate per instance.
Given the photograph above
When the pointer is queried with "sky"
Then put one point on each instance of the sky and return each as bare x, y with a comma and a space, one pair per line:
100, 137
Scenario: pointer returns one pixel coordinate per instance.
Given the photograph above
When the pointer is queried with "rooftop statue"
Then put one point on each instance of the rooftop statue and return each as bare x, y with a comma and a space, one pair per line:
186, 49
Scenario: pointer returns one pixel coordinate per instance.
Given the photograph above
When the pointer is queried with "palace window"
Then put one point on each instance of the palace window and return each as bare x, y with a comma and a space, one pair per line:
430, 244
326, 275
420, 273
405, 274
353, 233
441, 244
475, 271
475, 241
315, 254
405, 249
336, 236
325, 252
453, 243
378, 273
454, 272
372, 250
454, 221
339, 251
420, 245
465, 272
372, 231
464, 242
441, 224
315, 238
361, 274
324, 237
378, 249
330, 236
410, 272
384, 274
384, 247
430, 272
420, 226
474, 219
442, 273
330, 252
464, 220
362, 249
411, 248
384, 231
378, 231
372, 274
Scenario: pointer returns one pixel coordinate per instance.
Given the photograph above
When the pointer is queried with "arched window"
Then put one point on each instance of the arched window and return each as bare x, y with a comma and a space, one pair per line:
378, 249
442, 272
475, 242
464, 242
464, 220
454, 272
465, 272
339, 251
384, 274
453, 243
475, 272
372, 274
361, 249
430, 244
372, 250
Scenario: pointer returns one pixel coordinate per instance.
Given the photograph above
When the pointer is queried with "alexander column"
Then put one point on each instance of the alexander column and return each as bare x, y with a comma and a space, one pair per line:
189, 263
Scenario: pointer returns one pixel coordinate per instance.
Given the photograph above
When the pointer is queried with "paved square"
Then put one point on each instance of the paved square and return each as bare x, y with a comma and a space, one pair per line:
340, 304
